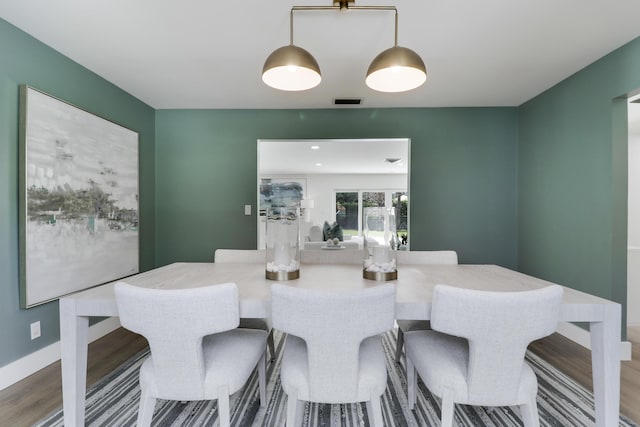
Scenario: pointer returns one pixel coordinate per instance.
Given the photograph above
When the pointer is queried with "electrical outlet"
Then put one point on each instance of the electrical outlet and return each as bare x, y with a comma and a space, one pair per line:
35, 330
247, 209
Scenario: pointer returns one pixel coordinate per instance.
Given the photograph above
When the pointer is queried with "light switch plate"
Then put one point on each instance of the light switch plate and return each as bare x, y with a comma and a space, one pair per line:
247, 209
35, 330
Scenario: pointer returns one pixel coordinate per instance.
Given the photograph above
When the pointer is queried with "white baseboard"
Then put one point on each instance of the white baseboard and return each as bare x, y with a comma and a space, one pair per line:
582, 337
32, 363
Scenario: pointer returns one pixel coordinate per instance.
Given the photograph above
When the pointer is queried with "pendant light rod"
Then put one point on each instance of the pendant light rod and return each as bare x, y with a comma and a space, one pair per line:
395, 39
342, 6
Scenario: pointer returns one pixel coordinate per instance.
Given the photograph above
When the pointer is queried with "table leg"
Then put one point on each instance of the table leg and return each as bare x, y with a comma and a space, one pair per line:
605, 362
74, 332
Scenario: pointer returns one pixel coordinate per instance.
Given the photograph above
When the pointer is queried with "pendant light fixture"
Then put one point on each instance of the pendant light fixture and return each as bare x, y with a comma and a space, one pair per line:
292, 68
397, 69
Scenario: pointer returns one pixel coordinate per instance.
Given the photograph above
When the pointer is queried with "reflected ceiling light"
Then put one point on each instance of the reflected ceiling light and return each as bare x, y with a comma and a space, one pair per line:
292, 68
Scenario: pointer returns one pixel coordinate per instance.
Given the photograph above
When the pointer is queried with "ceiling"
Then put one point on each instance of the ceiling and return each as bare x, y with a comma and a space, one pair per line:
333, 156
209, 54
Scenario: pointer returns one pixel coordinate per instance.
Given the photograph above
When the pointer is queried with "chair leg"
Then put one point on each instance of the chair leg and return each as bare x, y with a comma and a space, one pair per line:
375, 411
292, 403
446, 415
412, 383
529, 412
145, 411
272, 345
399, 345
262, 379
223, 406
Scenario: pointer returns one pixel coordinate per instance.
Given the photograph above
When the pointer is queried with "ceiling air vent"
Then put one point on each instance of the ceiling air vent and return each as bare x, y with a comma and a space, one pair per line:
347, 101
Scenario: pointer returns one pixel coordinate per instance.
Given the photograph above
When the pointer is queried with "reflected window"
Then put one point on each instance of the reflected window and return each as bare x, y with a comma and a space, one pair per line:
400, 202
350, 205
373, 199
347, 212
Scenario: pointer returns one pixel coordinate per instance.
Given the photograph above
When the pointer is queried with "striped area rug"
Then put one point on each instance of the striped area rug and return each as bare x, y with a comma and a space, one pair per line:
113, 401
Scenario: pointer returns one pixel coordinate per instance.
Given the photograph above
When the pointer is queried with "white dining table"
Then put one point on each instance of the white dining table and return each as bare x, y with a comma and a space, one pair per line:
414, 288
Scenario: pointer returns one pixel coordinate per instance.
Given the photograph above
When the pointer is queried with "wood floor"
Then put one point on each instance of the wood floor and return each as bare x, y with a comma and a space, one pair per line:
575, 361
33, 398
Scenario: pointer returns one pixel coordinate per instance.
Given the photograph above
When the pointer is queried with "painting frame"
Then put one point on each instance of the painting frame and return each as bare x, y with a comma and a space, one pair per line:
283, 185
79, 204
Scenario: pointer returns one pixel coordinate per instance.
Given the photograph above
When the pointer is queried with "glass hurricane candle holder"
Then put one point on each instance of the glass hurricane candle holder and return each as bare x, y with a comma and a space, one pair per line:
283, 244
380, 244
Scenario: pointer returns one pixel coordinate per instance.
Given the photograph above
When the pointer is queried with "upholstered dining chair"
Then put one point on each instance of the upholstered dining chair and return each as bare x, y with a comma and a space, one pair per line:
250, 256
333, 352
475, 352
424, 258
196, 351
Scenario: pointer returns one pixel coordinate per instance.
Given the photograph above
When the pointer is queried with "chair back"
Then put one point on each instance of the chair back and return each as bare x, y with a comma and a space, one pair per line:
426, 257
328, 256
240, 255
174, 323
333, 324
498, 326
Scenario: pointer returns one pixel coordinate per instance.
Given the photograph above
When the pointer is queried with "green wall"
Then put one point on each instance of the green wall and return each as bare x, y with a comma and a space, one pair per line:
572, 190
463, 175
27, 61
541, 188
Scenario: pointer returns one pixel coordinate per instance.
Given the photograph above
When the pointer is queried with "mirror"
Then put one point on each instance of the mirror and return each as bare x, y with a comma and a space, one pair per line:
332, 180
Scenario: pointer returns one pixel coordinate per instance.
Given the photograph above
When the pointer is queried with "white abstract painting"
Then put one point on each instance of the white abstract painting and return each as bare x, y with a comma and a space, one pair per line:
79, 199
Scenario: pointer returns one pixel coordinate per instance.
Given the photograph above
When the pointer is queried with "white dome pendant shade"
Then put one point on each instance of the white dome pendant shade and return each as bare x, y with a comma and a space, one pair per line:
291, 68
397, 69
